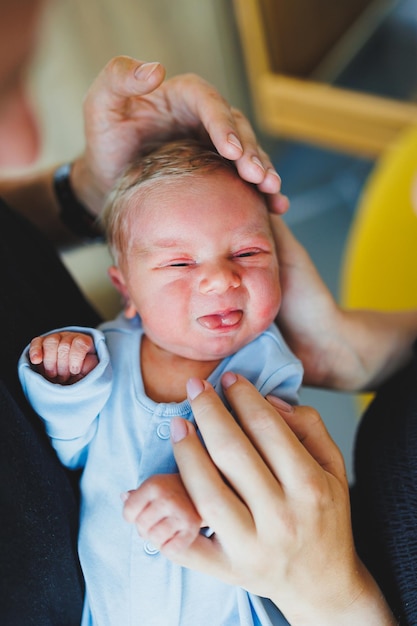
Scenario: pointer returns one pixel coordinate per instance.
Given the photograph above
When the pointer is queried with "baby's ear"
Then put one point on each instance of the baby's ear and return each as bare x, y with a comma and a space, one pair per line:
118, 281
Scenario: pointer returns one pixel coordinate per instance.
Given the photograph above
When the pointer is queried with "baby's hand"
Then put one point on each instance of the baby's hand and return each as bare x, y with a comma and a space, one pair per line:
163, 513
63, 357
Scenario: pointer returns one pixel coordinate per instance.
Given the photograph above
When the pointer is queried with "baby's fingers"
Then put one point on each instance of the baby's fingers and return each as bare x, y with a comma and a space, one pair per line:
36, 351
62, 355
44, 351
163, 512
81, 348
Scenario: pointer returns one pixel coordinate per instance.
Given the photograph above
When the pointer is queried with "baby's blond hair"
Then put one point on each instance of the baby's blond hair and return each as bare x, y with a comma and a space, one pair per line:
174, 160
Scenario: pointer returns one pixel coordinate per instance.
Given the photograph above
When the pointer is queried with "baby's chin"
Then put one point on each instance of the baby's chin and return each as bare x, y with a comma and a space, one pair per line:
219, 349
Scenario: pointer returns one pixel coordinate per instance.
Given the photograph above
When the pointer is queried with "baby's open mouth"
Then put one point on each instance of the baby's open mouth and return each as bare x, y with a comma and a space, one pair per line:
224, 319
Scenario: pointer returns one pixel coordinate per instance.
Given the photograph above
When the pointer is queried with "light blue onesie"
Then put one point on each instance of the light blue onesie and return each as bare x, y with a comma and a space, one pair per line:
107, 425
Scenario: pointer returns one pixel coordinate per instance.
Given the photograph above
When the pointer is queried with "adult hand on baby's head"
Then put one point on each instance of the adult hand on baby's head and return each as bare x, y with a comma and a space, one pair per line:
129, 106
274, 491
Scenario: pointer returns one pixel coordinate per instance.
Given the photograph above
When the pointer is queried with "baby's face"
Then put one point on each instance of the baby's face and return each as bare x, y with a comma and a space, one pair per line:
201, 269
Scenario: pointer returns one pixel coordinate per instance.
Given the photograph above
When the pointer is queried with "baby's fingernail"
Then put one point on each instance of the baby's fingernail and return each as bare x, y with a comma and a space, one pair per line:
234, 141
124, 496
194, 387
145, 70
179, 429
228, 379
279, 404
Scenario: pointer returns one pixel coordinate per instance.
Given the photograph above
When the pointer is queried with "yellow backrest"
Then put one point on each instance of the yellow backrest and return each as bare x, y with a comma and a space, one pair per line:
380, 263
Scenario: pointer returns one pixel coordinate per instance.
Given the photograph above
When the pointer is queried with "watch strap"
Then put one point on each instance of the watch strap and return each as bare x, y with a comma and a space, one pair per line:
72, 212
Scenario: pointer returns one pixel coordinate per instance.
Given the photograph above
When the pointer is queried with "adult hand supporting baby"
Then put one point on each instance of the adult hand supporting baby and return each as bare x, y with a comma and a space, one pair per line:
273, 489
345, 349
129, 105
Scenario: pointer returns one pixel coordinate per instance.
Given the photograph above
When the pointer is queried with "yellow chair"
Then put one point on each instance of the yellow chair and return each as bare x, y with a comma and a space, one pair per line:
380, 262
379, 270
287, 44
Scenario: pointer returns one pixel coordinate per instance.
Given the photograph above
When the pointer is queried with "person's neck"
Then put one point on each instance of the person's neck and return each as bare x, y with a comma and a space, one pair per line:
165, 374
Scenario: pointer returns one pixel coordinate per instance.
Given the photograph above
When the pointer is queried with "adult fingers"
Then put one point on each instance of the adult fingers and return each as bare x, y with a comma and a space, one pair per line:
219, 506
268, 181
306, 423
216, 502
123, 77
256, 166
295, 444
195, 101
230, 449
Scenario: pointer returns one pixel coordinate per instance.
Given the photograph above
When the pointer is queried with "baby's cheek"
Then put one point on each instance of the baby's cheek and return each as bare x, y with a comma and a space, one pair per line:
270, 300
267, 310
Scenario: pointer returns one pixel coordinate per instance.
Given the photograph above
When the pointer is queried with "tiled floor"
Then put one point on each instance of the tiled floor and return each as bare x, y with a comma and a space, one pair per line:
324, 187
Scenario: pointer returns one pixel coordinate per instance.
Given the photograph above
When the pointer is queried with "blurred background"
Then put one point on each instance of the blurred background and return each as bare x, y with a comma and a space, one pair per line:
324, 182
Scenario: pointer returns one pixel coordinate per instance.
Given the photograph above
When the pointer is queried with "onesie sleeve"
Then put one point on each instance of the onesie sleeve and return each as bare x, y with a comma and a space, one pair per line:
70, 412
282, 372
268, 363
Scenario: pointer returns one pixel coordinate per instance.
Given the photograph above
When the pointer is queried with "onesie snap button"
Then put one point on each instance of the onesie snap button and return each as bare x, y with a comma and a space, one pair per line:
150, 549
163, 430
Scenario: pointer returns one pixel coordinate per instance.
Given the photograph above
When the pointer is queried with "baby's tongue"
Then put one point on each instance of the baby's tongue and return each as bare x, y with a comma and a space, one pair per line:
221, 320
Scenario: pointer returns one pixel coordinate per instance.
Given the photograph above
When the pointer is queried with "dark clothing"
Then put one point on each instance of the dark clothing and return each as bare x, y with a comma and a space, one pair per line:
40, 579
384, 498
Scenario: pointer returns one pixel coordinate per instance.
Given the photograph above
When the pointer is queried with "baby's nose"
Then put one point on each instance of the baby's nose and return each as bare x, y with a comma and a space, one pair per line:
218, 278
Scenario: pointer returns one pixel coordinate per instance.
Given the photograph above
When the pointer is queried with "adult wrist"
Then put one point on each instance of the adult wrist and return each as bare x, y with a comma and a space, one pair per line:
86, 186
368, 608
355, 599
73, 213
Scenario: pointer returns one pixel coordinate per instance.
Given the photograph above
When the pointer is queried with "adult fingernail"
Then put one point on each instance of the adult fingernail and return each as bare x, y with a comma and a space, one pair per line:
271, 170
179, 429
194, 387
283, 203
228, 379
144, 71
279, 404
257, 162
234, 141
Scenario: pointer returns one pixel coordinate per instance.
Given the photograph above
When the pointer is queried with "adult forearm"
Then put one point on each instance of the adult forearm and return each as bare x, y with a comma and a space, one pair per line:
33, 197
380, 342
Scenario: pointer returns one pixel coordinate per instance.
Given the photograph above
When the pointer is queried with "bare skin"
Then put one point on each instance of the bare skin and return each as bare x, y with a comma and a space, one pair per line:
285, 499
128, 105
343, 349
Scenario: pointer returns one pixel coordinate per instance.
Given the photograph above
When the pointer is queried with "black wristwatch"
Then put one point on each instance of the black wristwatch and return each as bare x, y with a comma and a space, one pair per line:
73, 213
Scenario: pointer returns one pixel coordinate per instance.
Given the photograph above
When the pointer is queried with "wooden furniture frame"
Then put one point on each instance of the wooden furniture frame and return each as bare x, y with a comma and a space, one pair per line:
302, 108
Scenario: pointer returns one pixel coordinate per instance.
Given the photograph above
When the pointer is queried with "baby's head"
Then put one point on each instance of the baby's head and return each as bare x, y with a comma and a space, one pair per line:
194, 251
161, 164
